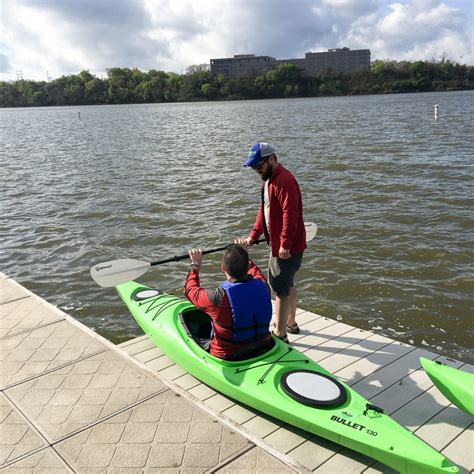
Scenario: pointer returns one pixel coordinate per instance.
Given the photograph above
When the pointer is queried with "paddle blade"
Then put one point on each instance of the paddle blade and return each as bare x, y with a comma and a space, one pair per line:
115, 272
311, 230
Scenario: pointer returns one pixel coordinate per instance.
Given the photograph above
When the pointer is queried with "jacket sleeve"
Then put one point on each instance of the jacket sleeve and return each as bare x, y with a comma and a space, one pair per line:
257, 229
195, 294
288, 195
256, 273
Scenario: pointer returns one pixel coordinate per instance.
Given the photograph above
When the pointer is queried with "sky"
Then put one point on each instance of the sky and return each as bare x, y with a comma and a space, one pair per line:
41, 39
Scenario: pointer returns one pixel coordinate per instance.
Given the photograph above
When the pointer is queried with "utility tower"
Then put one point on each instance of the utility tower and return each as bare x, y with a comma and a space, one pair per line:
19, 76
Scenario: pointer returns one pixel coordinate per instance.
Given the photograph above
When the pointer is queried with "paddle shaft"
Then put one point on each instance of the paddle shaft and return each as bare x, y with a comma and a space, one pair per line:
116, 272
178, 258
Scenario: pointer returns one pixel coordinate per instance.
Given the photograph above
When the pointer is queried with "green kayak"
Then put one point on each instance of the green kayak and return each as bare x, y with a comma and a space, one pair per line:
283, 383
456, 385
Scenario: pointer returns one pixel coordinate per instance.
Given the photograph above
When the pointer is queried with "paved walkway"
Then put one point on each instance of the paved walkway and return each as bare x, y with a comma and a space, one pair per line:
70, 401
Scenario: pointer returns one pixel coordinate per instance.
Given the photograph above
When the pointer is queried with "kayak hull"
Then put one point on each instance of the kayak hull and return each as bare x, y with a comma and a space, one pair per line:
455, 384
257, 383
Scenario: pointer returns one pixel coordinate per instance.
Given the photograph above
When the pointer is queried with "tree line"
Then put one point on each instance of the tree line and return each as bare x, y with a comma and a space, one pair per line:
132, 86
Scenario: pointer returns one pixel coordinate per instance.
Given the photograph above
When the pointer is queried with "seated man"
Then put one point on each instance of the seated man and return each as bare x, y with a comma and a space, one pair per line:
240, 309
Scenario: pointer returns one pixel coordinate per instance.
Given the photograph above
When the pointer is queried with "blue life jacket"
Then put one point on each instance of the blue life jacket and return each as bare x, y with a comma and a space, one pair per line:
251, 308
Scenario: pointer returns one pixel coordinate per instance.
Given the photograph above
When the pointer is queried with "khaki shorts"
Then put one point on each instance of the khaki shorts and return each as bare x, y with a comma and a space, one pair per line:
281, 273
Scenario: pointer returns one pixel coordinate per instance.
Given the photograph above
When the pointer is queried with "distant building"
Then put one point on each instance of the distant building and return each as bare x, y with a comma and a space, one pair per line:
242, 65
336, 60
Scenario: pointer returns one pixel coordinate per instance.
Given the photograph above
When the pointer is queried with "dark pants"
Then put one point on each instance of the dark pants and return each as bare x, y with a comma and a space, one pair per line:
281, 273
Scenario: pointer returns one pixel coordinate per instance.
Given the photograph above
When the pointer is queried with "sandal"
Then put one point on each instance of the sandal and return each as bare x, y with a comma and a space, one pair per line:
284, 338
293, 328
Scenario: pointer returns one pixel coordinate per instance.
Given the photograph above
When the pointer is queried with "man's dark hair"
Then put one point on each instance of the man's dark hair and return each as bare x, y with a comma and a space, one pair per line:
236, 261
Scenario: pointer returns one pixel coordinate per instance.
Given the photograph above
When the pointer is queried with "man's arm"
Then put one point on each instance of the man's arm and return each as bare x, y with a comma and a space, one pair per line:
257, 229
288, 195
194, 292
205, 300
256, 273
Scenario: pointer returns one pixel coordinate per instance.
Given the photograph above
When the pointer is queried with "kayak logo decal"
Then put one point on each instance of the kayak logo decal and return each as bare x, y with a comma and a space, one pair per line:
348, 423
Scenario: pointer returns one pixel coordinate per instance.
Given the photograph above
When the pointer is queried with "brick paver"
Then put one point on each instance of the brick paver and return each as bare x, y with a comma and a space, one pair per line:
78, 395
17, 437
256, 461
30, 354
45, 461
147, 437
21, 310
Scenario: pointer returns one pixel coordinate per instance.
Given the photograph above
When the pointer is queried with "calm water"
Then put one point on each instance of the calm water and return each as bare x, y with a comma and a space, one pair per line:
389, 187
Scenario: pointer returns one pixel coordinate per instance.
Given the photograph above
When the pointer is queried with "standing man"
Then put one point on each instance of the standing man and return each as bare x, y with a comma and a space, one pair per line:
280, 219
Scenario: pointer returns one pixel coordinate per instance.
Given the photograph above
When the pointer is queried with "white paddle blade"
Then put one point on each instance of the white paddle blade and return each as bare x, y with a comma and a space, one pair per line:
311, 230
115, 272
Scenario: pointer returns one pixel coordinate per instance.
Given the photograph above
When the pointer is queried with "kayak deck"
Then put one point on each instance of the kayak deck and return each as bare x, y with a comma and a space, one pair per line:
386, 372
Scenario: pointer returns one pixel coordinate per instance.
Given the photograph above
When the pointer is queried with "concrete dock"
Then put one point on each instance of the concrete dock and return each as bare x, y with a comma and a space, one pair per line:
71, 401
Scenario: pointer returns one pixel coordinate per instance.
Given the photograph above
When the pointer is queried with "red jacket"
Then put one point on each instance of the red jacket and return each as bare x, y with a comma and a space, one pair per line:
216, 304
286, 214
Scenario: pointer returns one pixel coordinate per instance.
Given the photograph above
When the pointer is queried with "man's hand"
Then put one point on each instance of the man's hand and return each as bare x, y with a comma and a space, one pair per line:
196, 257
284, 254
245, 243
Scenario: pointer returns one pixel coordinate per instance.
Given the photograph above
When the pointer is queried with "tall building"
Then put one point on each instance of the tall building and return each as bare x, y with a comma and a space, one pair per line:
242, 65
335, 60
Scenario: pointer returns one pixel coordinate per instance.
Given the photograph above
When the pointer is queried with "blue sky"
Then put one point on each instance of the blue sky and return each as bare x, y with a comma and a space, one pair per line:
60, 37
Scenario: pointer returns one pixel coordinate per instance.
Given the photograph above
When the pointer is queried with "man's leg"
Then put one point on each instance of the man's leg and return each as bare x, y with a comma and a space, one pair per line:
282, 311
281, 278
292, 310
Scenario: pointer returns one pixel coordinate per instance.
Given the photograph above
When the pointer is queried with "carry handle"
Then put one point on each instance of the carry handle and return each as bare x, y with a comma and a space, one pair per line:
368, 407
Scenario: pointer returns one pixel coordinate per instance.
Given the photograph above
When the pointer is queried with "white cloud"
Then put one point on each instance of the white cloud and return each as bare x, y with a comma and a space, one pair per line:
65, 36
416, 32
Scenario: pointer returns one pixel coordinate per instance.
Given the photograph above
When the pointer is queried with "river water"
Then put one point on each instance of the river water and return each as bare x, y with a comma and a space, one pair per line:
390, 188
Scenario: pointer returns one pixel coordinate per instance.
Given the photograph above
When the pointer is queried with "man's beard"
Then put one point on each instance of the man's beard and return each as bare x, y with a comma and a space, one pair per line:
268, 174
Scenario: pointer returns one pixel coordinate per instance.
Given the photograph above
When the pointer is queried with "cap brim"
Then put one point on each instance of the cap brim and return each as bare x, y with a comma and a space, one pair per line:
253, 162
248, 164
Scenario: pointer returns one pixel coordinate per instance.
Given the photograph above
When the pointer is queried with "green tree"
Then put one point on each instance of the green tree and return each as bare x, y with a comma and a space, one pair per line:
125, 85
122, 84
95, 91
153, 87
209, 90
173, 87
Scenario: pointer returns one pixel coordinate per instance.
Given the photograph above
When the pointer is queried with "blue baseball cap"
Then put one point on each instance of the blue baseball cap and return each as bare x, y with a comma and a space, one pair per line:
257, 153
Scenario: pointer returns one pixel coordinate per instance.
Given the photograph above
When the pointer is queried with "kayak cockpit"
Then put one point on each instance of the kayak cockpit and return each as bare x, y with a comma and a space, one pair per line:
198, 327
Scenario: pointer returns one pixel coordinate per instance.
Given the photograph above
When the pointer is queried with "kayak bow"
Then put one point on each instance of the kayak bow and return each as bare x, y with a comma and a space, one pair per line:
456, 385
282, 383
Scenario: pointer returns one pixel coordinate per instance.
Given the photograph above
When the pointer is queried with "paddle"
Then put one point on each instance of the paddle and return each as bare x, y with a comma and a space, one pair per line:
115, 272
